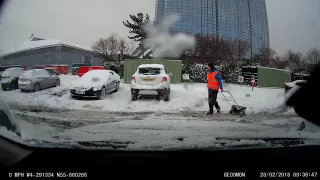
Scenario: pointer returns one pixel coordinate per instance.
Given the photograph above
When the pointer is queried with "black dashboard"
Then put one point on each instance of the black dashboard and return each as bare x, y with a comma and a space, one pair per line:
20, 160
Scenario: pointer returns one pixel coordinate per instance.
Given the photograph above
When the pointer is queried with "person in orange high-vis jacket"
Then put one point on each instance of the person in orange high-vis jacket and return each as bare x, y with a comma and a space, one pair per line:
214, 85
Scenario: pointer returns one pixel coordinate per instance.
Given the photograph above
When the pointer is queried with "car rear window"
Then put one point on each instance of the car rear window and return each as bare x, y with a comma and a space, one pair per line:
27, 73
149, 71
42, 73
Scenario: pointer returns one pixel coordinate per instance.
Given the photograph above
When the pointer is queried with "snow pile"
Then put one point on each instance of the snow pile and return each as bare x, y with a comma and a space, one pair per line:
163, 43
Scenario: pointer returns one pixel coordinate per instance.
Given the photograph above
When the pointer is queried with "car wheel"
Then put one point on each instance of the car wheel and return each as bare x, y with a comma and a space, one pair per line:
117, 87
12, 86
36, 87
134, 97
102, 93
166, 97
57, 83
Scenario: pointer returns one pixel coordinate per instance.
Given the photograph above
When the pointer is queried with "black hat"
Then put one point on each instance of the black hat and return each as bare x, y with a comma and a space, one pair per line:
211, 65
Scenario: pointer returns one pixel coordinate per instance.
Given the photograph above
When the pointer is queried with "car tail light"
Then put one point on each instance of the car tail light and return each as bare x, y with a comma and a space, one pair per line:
133, 78
164, 79
162, 91
134, 91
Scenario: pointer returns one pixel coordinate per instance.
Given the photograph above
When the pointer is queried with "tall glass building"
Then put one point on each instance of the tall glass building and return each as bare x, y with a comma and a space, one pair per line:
229, 19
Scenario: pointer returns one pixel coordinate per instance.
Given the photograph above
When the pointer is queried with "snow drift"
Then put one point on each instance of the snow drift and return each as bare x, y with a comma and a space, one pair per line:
163, 43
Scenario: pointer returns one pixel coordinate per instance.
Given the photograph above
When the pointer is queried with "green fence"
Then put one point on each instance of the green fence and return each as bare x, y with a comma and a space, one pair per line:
270, 77
172, 66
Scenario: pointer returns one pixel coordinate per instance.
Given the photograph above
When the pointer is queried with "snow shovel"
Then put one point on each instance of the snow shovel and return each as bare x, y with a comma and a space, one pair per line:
235, 109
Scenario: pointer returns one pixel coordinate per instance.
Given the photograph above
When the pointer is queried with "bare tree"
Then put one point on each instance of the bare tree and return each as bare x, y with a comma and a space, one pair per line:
109, 47
211, 49
303, 66
267, 57
123, 46
313, 56
113, 44
292, 60
239, 50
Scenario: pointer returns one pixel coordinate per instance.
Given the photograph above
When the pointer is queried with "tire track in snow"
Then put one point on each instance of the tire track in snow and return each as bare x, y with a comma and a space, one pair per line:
68, 119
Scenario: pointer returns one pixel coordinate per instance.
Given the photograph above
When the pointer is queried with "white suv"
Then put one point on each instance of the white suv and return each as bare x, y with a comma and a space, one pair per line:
151, 77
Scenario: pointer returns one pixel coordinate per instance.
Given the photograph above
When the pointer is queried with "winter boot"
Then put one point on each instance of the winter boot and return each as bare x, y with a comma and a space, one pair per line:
218, 110
209, 113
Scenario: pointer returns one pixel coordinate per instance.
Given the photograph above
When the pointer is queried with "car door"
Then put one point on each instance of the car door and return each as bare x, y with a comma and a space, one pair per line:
37, 77
111, 82
52, 78
46, 80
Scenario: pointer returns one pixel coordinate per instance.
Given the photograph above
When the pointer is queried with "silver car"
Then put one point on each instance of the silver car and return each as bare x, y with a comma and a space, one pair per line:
9, 79
37, 79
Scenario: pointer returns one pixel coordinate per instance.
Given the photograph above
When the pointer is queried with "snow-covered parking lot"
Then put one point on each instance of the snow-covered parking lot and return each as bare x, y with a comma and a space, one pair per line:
184, 97
53, 117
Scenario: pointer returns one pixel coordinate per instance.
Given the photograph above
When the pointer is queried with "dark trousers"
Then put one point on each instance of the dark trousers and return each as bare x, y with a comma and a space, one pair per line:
213, 100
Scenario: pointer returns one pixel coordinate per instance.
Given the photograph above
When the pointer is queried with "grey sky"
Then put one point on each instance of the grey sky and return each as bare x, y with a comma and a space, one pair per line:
293, 24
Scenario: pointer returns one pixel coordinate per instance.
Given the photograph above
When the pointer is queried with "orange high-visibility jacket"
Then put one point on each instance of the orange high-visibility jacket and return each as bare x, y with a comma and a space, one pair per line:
212, 81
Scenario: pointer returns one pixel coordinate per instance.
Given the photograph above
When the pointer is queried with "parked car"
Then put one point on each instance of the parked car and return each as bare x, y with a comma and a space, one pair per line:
60, 68
75, 67
37, 79
3, 68
95, 83
52, 70
10, 78
152, 77
290, 85
84, 69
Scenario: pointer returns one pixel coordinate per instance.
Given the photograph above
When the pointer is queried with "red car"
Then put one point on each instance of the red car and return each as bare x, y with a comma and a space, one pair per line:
84, 69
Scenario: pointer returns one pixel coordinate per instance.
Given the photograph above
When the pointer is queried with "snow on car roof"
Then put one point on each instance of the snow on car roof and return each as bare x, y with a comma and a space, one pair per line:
13, 68
97, 73
151, 65
93, 76
293, 83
